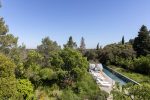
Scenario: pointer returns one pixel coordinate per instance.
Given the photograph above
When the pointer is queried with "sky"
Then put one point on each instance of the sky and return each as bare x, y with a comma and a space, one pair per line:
98, 21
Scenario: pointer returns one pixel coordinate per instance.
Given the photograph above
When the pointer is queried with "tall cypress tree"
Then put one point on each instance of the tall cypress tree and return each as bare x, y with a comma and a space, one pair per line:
122, 41
97, 47
82, 44
142, 42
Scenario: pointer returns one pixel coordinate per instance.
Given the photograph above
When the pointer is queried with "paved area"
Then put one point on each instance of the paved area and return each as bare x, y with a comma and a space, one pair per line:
108, 79
96, 71
108, 89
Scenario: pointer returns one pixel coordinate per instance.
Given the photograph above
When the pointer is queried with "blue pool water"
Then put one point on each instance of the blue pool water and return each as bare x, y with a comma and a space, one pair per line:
114, 77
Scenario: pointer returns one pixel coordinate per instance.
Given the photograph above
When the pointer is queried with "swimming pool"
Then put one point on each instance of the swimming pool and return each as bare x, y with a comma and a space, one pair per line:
114, 77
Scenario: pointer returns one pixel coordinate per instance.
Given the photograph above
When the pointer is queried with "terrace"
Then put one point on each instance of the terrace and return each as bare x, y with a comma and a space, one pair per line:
106, 77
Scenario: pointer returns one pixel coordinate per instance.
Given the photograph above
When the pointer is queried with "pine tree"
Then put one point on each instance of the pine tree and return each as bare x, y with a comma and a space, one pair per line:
122, 40
142, 42
7, 41
70, 43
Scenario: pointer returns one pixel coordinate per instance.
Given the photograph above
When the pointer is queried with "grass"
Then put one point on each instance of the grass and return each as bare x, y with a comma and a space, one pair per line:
140, 78
48, 93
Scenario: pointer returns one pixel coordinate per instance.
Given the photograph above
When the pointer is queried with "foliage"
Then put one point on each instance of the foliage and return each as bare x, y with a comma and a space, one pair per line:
8, 44
131, 92
92, 55
25, 89
34, 57
47, 46
3, 27
142, 65
122, 41
68, 94
7, 41
49, 92
75, 65
18, 54
45, 50
7, 78
142, 43
111, 54
140, 78
125, 63
82, 46
73, 59
56, 61
46, 74
71, 43
87, 89
60, 73
31, 67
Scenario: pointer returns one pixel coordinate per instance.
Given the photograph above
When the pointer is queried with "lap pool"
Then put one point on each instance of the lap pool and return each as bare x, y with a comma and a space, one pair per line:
114, 77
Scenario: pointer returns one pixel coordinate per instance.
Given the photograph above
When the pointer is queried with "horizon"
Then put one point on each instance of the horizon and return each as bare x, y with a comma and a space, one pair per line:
103, 22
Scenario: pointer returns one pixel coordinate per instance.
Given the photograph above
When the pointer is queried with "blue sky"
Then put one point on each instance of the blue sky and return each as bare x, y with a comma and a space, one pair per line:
103, 21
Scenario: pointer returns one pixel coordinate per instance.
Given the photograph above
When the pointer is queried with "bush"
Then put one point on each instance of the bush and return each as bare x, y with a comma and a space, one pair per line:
8, 88
117, 54
46, 74
131, 92
88, 89
68, 94
142, 65
25, 89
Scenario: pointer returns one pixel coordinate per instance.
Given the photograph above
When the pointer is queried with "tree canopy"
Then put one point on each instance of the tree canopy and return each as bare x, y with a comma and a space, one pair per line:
8, 88
142, 42
50, 72
71, 43
7, 41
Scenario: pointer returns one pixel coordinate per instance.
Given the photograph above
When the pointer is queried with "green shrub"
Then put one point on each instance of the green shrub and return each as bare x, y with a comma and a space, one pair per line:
46, 73
131, 92
8, 88
88, 89
142, 65
25, 89
68, 94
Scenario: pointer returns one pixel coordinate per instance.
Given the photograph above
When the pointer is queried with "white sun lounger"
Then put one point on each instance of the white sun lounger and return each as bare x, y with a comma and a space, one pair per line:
106, 85
99, 76
103, 84
102, 81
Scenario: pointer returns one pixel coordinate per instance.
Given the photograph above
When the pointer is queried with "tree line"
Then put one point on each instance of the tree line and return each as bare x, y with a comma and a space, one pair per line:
48, 72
